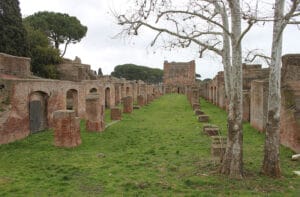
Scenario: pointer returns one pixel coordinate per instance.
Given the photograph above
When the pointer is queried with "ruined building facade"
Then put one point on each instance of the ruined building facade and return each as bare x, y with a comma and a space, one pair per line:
28, 103
255, 97
178, 76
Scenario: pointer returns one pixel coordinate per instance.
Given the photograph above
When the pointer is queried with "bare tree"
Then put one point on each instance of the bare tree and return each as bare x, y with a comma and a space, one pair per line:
280, 19
203, 23
271, 162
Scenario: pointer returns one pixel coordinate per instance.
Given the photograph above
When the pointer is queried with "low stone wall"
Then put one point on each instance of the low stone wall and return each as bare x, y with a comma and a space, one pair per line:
94, 113
128, 104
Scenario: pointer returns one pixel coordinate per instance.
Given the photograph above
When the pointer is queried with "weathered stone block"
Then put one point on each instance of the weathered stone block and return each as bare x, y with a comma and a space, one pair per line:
141, 100
94, 111
95, 126
66, 129
115, 114
203, 118
212, 131
198, 112
218, 146
196, 106
149, 98
209, 126
127, 104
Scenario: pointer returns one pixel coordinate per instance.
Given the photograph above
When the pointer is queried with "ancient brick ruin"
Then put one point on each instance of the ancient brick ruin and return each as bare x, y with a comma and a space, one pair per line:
178, 76
66, 129
255, 97
28, 103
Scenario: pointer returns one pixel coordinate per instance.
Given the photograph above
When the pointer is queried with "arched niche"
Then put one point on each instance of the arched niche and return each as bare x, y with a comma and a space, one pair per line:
38, 111
72, 100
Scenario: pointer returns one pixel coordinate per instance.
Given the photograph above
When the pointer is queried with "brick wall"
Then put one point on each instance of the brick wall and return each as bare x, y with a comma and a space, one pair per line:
13, 65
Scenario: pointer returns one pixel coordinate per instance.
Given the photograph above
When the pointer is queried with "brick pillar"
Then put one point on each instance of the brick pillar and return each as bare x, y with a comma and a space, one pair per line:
66, 129
127, 104
149, 98
115, 113
141, 100
94, 113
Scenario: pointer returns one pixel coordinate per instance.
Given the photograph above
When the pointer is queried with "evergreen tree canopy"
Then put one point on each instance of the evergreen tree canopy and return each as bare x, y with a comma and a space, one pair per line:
59, 28
43, 55
12, 32
135, 72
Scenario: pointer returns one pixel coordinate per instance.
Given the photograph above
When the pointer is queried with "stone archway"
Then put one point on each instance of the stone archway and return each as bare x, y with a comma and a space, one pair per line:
107, 97
72, 100
38, 111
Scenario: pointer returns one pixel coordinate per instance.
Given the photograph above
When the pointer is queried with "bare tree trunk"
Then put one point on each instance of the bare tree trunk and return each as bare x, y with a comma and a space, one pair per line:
232, 164
65, 49
271, 162
226, 51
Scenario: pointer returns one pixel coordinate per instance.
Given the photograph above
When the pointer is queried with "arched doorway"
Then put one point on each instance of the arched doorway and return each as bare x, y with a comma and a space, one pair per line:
107, 97
72, 100
38, 111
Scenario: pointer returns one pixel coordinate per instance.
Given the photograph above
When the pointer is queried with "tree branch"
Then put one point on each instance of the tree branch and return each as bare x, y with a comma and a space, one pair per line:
137, 24
205, 18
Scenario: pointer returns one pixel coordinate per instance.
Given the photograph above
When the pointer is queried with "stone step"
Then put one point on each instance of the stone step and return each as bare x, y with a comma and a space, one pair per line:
203, 118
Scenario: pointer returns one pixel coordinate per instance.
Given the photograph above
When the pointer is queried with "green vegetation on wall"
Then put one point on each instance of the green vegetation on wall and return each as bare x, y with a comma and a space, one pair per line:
135, 72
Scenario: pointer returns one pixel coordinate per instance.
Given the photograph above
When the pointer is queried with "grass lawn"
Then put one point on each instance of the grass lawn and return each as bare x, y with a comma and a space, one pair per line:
158, 150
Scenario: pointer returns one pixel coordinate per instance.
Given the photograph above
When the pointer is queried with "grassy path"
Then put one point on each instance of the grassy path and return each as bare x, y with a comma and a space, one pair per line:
158, 150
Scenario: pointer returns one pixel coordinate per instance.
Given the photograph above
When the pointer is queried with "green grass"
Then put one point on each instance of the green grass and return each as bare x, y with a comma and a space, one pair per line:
107, 116
158, 150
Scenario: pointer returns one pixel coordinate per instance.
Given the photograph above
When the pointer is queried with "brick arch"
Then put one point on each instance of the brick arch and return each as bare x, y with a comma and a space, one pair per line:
93, 90
38, 111
107, 97
72, 100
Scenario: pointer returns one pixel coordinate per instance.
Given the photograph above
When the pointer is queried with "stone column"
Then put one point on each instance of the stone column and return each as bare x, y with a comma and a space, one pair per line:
94, 113
127, 104
66, 129
149, 98
141, 100
115, 113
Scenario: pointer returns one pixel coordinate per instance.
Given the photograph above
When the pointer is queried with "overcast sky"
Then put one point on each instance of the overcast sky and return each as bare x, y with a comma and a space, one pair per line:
99, 49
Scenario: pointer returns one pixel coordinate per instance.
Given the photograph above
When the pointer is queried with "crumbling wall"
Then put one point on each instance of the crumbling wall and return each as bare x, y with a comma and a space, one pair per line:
13, 65
75, 71
16, 123
290, 105
178, 75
